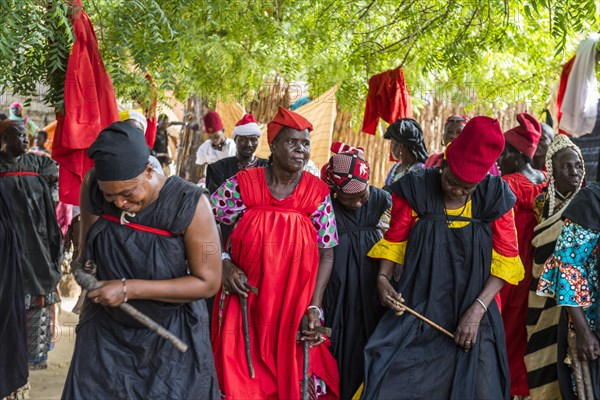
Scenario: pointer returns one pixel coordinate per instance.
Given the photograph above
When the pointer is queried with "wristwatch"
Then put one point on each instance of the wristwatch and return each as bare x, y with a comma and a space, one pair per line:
225, 256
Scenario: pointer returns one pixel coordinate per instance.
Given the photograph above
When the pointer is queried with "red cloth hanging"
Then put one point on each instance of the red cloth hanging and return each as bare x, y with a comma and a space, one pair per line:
151, 114
562, 88
388, 99
90, 106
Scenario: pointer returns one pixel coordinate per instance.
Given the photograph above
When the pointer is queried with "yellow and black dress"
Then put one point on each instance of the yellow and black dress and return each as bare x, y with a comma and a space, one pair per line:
448, 256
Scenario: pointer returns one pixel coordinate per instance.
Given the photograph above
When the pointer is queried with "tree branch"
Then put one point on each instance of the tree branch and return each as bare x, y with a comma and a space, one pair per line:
365, 10
418, 32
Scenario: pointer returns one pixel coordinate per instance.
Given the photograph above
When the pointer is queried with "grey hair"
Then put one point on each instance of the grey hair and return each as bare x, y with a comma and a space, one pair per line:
559, 143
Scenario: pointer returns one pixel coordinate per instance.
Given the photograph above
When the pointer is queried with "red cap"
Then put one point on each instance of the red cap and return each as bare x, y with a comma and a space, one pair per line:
526, 136
287, 118
471, 155
16, 104
246, 119
212, 122
247, 126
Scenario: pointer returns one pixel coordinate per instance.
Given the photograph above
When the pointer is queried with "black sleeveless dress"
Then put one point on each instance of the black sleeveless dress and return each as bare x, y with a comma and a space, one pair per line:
351, 305
116, 358
445, 270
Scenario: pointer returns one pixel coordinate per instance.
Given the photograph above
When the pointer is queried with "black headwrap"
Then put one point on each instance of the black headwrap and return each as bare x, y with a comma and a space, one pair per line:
408, 132
120, 152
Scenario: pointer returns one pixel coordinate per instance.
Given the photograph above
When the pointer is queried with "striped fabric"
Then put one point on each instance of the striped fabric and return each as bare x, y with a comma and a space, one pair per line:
542, 318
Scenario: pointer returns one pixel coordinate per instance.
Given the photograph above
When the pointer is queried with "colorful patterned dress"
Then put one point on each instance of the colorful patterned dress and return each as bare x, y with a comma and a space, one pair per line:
571, 273
543, 316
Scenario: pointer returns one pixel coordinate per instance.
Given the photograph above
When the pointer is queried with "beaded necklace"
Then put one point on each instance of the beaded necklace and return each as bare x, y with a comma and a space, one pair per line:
449, 220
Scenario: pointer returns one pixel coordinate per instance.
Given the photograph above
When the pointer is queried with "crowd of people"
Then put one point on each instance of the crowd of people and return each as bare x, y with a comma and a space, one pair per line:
471, 274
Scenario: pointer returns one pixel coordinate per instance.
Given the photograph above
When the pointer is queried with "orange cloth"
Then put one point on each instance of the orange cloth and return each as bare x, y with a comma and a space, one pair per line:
388, 98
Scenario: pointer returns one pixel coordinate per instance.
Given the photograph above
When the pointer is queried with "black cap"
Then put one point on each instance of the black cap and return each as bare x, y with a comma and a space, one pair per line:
120, 152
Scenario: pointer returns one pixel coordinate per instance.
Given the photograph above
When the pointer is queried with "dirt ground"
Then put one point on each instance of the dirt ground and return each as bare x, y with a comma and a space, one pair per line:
48, 384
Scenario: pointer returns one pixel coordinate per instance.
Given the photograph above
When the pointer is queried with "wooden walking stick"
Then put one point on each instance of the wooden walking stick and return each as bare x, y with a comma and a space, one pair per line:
577, 366
305, 361
245, 326
587, 380
416, 314
88, 281
304, 326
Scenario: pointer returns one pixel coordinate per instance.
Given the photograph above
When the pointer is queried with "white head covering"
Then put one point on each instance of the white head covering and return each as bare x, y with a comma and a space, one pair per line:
580, 103
136, 116
247, 126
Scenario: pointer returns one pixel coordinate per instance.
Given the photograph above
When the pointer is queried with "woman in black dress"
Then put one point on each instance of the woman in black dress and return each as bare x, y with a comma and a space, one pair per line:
452, 231
155, 244
350, 302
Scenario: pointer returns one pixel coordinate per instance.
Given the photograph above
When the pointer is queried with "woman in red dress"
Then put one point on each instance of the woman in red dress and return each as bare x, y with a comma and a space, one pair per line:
282, 243
526, 183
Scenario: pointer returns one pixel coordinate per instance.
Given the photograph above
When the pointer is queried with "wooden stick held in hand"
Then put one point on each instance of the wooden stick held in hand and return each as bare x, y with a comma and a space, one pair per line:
416, 314
245, 325
89, 282
576, 365
305, 360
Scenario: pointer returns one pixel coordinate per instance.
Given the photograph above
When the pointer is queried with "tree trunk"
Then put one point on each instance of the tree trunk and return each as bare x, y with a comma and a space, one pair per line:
196, 108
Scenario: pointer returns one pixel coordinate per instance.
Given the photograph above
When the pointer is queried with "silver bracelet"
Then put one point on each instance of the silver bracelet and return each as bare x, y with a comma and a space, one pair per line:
482, 304
316, 308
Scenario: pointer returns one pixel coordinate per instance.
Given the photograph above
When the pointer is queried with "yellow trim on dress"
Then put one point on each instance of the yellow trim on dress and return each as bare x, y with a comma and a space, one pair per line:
358, 392
509, 269
393, 251
467, 212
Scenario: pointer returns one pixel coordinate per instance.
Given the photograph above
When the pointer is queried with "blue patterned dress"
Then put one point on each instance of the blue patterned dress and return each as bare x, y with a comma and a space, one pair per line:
570, 274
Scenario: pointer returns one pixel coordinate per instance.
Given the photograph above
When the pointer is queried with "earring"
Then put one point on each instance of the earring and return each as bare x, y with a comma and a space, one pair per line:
441, 171
334, 195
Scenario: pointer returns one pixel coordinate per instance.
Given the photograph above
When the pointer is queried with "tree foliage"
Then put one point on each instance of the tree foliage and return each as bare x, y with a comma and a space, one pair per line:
35, 40
480, 52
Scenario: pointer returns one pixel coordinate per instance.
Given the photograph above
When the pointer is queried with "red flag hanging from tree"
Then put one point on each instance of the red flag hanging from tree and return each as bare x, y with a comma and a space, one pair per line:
90, 106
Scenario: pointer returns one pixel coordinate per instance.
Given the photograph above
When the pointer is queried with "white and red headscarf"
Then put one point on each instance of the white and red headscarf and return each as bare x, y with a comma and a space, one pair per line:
347, 170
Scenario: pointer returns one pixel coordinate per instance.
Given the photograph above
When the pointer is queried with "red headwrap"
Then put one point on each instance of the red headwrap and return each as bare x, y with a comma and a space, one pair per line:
471, 155
526, 136
287, 118
212, 122
16, 104
347, 170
